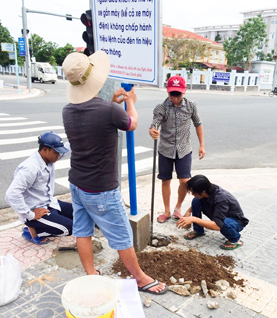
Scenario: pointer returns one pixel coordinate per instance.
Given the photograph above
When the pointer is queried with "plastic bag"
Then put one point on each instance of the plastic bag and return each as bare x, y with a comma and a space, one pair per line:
10, 279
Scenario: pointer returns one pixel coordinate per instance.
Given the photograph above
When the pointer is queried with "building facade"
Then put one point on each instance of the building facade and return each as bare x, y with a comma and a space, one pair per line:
222, 32
218, 33
270, 19
214, 56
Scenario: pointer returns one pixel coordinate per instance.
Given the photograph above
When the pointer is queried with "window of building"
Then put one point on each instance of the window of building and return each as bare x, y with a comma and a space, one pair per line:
274, 20
271, 35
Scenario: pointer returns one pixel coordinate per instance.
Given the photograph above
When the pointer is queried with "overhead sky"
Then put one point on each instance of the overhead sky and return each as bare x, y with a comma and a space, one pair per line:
179, 14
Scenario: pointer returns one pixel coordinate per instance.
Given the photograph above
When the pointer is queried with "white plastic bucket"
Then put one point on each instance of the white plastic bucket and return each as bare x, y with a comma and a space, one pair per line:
90, 296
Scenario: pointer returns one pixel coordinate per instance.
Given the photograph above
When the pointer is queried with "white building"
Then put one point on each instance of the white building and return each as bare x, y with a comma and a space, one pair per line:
270, 19
226, 31
218, 33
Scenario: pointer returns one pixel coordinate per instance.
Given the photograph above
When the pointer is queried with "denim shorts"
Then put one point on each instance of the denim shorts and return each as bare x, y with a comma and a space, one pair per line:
107, 210
182, 167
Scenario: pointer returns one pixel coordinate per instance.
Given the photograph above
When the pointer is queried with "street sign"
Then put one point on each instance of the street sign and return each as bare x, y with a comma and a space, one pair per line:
129, 32
7, 47
221, 76
11, 55
22, 47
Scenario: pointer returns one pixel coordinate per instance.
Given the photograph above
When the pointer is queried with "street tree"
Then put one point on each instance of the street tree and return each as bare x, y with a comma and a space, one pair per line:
61, 53
183, 52
241, 49
267, 57
5, 37
174, 50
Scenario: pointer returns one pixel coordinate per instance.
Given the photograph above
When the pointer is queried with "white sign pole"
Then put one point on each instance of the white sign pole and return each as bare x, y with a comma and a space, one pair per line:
129, 33
16, 68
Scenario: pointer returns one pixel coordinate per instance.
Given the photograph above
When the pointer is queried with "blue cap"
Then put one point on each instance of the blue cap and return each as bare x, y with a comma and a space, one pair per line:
53, 141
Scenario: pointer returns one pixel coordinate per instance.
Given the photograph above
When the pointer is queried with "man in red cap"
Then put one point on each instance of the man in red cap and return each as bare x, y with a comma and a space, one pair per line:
173, 116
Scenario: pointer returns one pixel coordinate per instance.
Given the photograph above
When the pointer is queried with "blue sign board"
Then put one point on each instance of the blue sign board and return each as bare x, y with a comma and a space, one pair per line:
21, 47
12, 56
221, 76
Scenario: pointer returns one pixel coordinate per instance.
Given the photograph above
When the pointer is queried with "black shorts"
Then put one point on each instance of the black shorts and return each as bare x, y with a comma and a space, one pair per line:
182, 167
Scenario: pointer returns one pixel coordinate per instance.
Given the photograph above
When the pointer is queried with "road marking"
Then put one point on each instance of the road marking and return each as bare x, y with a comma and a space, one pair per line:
23, 124
20, 131
4, 114
63, 164
141, 165
17, 154
23, 140
13, 118
138, 149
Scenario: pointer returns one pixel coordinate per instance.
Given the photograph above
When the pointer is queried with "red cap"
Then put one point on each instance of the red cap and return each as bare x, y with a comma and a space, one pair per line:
176, 84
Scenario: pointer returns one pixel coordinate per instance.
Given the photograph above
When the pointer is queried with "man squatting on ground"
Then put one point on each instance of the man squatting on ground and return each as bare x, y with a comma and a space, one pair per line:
174, 117
91, 125
31, 193
220, 206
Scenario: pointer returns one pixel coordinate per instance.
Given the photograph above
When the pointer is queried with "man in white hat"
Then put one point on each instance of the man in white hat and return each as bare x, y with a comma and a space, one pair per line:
91, 125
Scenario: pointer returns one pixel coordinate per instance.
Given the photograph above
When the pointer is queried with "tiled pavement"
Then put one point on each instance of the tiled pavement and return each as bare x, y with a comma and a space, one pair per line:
45, 271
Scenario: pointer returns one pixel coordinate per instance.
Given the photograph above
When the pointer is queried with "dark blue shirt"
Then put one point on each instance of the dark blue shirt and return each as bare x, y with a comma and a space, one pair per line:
221, 205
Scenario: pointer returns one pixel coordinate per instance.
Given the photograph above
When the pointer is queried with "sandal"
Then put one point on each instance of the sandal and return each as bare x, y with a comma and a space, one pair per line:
176, 215
231, 246
35, 240
100, 272
163, 218
193, 235
155, 283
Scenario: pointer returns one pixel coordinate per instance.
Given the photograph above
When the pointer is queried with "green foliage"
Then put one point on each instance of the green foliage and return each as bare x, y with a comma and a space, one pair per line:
217, 38
5, 37
182, 52
243, 47
43, 51
267, 57
61, 53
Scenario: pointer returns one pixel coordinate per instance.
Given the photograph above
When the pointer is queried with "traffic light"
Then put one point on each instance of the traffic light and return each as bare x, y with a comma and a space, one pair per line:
86, 19
191, 70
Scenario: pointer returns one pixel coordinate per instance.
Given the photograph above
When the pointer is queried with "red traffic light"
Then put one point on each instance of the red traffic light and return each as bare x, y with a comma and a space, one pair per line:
86, 18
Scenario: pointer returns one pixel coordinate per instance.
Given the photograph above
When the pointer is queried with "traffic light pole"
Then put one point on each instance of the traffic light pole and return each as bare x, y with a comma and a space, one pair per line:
24, 28
27, 56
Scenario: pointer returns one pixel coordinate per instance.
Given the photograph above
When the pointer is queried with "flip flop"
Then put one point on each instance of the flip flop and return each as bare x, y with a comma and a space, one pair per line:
176, 215
163, 218
155, 283
25, 229
35, 240
195, 235
231, 246
100, 272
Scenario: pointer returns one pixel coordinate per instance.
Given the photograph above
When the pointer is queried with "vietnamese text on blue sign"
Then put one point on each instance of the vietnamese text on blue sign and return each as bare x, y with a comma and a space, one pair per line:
221, 76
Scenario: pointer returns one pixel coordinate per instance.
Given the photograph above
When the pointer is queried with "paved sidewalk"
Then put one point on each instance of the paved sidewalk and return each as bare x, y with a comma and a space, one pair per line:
10, 92
45, 271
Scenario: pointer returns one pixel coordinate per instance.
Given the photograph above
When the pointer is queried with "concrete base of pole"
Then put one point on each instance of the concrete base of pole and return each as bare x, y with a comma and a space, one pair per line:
141, 229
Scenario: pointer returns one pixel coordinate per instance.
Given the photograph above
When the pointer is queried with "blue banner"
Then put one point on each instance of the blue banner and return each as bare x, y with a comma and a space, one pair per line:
221, 76
21, 47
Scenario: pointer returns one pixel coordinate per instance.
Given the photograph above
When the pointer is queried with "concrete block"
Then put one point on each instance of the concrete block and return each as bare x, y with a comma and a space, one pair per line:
141, 229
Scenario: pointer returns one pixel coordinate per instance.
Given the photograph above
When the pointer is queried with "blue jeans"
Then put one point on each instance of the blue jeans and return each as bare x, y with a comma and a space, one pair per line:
230, 228
107, 210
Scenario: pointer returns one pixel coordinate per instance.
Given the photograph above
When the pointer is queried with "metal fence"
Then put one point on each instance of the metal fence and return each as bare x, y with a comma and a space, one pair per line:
205, 80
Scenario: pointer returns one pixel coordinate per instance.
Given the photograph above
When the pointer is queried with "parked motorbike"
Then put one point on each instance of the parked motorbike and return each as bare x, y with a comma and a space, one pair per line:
272, 93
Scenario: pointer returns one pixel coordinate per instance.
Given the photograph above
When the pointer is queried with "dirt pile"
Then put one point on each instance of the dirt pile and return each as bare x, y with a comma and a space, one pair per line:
191, 265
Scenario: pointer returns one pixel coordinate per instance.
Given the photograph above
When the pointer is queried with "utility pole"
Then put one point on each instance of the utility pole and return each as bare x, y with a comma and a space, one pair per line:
68, 17
27, 56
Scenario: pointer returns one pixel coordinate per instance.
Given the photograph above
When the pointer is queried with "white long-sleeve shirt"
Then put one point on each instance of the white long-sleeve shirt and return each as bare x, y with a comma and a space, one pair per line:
33, 187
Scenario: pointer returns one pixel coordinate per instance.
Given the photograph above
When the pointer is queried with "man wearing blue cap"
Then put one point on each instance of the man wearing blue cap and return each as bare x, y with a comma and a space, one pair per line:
31, 193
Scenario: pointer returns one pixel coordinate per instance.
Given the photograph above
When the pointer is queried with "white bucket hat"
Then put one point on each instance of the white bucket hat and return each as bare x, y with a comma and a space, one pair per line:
86, 75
